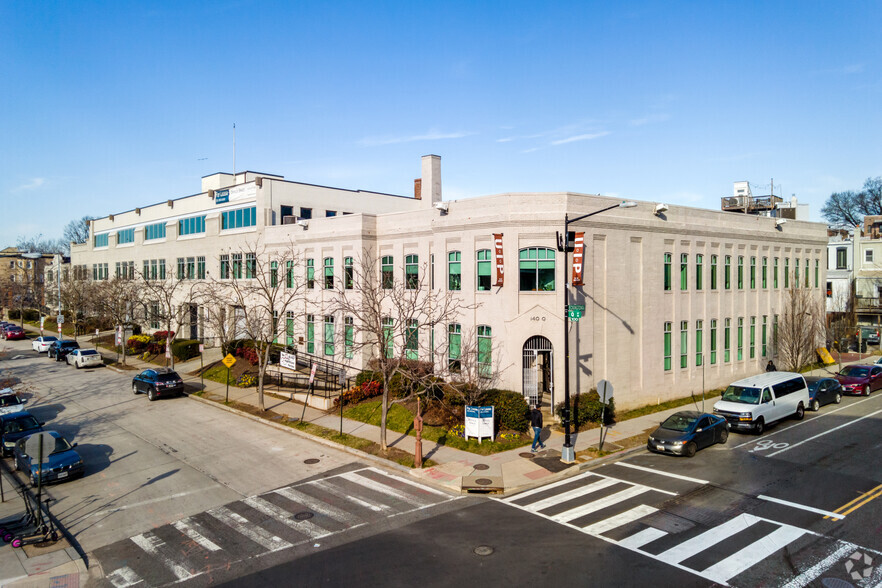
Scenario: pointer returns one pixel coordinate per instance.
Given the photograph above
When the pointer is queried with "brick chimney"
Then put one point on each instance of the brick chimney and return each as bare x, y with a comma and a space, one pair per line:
431, 177
418, 189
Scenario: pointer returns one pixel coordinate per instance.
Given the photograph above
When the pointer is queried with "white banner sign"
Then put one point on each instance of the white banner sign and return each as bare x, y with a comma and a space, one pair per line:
288, 360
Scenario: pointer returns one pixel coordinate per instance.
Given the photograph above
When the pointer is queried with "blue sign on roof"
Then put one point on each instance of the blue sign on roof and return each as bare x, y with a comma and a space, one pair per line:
221, 196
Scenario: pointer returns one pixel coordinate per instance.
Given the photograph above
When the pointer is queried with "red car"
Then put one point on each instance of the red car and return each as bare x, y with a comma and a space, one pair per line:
13, 332
860, 379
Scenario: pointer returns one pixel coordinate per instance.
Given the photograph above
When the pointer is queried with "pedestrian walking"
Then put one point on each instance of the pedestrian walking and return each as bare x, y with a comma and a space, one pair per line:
770, 367
536, 423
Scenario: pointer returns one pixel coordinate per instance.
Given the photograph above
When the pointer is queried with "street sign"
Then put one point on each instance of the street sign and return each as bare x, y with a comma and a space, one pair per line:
575, 311
32, 445
202, 348
605, 390
312, 373
229, 360
60, 319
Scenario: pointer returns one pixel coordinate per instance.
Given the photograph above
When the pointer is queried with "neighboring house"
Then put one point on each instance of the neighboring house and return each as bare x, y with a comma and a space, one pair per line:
840, 272
21, 278
868, 272
673, 300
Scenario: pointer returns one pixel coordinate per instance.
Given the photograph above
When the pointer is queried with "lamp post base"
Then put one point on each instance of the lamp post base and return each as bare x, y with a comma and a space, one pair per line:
567, 454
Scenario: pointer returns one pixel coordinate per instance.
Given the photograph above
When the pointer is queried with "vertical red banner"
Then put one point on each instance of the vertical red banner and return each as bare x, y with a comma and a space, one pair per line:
578, 258
500, 268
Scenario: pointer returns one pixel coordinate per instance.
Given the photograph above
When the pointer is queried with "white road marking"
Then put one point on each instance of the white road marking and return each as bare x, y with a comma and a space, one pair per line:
151, 501
826, 513
576, 492
808, 576
849, 423
709, 538
624, 518
194, 531
307, 528
548, 487
319, 506
153, 545
410, 482
610, 500
257, 534
661, 473
638, 540
381, 488
124, 577
752, 554
331, 489
811, 420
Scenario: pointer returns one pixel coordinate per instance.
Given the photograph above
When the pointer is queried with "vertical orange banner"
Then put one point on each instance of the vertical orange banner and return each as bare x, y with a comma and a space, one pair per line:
500, 269
578, 257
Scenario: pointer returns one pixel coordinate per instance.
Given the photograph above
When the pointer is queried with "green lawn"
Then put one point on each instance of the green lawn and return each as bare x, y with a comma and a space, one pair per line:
400, 420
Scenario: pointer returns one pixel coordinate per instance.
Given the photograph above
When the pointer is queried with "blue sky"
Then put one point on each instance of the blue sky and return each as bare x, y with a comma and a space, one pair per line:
110, 105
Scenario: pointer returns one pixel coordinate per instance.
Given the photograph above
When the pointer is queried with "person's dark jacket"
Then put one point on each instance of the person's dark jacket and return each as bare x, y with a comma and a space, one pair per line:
536, 418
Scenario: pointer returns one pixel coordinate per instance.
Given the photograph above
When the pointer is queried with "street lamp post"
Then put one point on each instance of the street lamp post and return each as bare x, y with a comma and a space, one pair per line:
568, 453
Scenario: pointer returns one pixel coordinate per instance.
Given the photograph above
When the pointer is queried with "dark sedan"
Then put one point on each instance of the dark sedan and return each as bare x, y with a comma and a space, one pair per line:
860, 379
158, 382
823, 391
61, 348
687, 431
62, 464
15, 426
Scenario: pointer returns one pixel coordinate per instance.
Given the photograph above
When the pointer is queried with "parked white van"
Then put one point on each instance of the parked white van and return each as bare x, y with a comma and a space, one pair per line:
754, 402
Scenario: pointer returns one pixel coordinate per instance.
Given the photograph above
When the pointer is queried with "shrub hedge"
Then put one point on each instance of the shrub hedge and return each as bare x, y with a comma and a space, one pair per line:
587, 408
511, 410
184, 349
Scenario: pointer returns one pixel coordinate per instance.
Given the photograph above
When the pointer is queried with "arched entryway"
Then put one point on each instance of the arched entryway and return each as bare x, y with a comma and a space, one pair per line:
538, 372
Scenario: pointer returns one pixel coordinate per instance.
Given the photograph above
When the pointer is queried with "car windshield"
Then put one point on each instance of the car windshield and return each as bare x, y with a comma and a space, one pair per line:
742, 395
9, 400
167, 377
25, 423
678, 422
61, 444
855, 371
813, 386
88, 352
49, 339
70, 344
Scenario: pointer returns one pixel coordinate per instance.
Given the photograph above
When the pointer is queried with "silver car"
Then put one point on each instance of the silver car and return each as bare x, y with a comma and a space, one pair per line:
80, 358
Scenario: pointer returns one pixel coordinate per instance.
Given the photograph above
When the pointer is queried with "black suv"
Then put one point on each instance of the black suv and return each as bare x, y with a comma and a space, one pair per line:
60, 349
158, 382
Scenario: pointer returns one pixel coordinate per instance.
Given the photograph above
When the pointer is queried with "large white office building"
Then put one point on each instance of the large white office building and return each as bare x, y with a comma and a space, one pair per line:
676, 299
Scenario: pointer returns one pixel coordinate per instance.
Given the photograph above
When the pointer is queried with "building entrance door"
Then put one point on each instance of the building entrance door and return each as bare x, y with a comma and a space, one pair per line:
538, 375
194, 321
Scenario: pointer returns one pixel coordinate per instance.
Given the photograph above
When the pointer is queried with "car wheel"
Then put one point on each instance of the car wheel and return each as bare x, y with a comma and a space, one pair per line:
76, 365
838, 398
151, 394
760, 426
816, 406
724, 436
866, 390
690, 449
134, 388
800, 412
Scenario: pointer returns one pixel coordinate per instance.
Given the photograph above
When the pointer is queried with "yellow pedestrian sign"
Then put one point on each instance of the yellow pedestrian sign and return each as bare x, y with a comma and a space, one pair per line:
229, 360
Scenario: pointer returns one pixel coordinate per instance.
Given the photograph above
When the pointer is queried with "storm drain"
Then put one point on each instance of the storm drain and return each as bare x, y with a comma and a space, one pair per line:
481, 466
482, 484
311, 460
483, 550
305, 515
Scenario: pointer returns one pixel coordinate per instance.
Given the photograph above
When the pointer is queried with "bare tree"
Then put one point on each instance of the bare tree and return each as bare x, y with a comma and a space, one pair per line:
260, 285
162, 298
116, 300
801, 328
474, 371
393, 323
77, 297
76, 231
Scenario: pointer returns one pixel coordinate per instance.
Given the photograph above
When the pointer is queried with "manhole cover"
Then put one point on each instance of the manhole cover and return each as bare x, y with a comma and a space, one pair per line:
302, 516
482, 466
527, 455
311, 460
483, 481
483, 550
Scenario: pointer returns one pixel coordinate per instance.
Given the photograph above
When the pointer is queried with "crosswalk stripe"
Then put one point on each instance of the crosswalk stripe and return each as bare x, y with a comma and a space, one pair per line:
548, 487
124, 577
641, 538
382, 488
319, 506
194, 531
307, 528
610, 500
624, 518
575, 493
331, 489
153, 545
257, 534
410, 482
752, 554
709, 538
809, 575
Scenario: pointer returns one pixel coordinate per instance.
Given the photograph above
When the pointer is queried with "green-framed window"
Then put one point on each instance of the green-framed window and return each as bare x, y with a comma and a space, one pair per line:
699, 343
786, 272
328, 266
310, 333
274, 274
289, 328
289, 274
412, 340
310, 273
740, 340
753, 273
763, 340
154, 231
386, 272
484, 268
740, 272
101, 240
807, 276
752, 337
667, 272
713, 342
668, 351
236, 259
240, 218
412, 272
250, 265
727, 339
125, 236
200, 267
765, 272
684, 344
454, 270
775, 273
817, 274
536, 269
348, 273
348, 337
191, 226
389, 336
796, 272
699, 271
684, 271
485, 350
713, 272
727, 272
275, 326
454, 346
329, 334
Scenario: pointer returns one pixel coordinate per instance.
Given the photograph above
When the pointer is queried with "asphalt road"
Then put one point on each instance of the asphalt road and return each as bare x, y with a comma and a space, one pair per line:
181, 493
